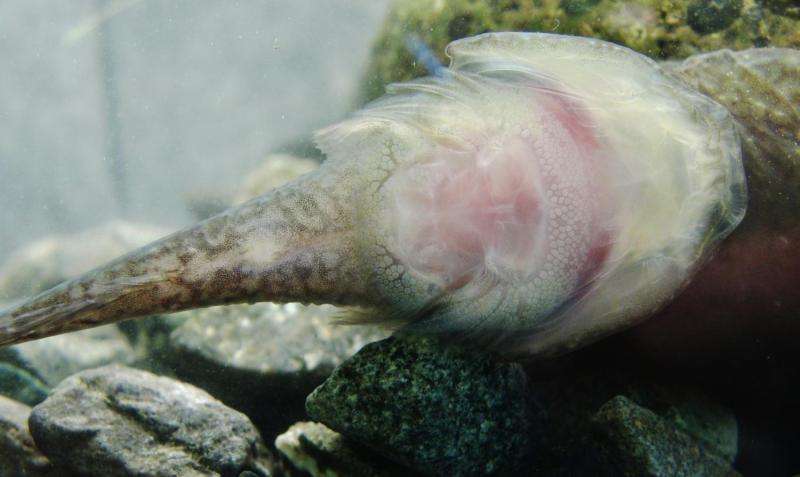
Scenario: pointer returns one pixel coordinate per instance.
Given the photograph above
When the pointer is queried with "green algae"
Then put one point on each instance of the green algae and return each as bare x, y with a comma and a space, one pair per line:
660, 29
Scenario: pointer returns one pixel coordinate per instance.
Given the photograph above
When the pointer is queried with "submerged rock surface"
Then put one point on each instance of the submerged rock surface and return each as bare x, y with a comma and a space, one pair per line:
18, 454
446, 411
437, 409
310, 448
661, 29
117, 421
263, 359
55, 358
585, 420
637, 442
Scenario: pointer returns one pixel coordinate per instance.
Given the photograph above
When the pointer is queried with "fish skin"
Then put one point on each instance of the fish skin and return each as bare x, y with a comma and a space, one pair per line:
307, 256
332, 237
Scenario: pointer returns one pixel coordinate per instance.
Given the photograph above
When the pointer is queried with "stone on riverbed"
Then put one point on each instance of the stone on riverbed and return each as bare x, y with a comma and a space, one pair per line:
584, 417
18, 454
263, 359
117, 421
637, 442
310, 448
440, 410
53, 359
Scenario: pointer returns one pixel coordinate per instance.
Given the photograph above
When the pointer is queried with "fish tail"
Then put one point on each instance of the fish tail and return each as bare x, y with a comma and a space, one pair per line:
292, 244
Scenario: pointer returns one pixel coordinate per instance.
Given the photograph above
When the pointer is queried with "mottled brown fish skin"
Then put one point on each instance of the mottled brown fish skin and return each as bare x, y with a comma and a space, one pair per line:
293, 244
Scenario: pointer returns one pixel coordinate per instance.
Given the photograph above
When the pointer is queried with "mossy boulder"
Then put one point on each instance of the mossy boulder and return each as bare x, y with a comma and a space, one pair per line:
661, 29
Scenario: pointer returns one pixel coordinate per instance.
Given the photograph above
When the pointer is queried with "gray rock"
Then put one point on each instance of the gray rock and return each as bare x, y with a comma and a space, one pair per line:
263, 359
53, 359
21, 385
310, 448
634, 441
18, 454
117, 421
438, 409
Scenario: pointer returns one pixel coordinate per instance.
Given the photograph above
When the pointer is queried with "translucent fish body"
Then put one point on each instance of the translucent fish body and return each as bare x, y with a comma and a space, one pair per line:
547, 190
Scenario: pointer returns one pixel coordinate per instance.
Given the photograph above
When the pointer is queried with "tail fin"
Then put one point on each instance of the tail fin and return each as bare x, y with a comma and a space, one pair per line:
290, 245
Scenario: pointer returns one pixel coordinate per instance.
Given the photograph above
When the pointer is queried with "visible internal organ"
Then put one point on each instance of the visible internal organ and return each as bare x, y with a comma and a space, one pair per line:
523, 202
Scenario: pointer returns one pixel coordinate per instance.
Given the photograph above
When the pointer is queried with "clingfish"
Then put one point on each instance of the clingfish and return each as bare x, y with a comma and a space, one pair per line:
542, 192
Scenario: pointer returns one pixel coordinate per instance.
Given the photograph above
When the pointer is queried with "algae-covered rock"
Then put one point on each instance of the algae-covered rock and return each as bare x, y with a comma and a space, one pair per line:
117, 421
636, 442
709, 16
19, 456
790, 8
49, 261
661, 29
263, 359
438, 409
310, 448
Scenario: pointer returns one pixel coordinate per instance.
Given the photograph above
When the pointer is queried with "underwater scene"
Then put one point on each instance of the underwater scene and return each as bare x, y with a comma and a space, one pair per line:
311, 238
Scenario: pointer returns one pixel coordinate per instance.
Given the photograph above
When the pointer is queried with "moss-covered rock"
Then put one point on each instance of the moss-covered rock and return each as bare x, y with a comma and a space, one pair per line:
661, 29
709, 16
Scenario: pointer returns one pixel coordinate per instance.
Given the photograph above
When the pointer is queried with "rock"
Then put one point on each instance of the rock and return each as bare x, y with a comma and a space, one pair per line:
661, 29
438, 409
566, 407
48, 262
310, 448
276, 170
708, 16
150, 339
53, 359
18, 454
21, 385
790, 8
117, 421
278, 353
639, 443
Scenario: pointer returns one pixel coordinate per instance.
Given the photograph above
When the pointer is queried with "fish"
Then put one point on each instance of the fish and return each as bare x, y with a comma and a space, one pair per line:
542, 192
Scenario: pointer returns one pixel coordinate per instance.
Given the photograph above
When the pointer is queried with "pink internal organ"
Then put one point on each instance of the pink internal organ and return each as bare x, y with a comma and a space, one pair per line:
522, 206
463, 209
